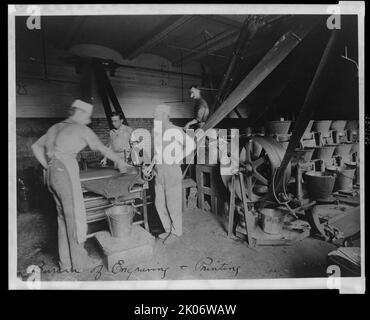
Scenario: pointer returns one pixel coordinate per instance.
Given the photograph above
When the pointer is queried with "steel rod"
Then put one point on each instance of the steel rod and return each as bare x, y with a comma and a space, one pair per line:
109, 89
97, 69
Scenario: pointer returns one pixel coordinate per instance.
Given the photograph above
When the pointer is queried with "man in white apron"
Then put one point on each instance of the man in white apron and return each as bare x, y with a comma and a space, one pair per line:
56, 151
119, 138
168, 180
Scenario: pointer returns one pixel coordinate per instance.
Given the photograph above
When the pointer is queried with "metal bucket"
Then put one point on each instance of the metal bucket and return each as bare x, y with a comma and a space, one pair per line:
338, 125
354, 148
260, 131
307, 132
343, 177
324, 152
304, 155
352, 125
120, 220
343, 150
319, 184
272, 220
248, 131
278, 127
322, 126
284, 144
283, 139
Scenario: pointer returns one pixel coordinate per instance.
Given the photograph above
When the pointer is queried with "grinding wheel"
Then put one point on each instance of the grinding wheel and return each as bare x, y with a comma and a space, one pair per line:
259, 158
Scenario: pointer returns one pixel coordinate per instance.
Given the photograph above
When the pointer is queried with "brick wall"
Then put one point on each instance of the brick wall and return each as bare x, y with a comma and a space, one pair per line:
28, 130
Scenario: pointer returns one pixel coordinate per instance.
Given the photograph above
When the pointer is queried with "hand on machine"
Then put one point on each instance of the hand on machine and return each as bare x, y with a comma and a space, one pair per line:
147, 170
103, 162
122, 166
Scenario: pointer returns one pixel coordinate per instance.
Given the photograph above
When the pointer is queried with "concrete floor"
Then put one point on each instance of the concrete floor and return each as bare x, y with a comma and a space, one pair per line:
204, 242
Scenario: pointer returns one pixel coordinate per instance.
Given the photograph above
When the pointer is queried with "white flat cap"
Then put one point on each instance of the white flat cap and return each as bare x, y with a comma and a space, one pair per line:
87, 107
162, 108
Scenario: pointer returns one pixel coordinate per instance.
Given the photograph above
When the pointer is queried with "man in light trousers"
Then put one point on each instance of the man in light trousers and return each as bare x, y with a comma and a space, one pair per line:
168, 181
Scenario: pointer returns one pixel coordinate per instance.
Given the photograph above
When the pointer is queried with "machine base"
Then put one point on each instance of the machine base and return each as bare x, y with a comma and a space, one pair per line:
260, 238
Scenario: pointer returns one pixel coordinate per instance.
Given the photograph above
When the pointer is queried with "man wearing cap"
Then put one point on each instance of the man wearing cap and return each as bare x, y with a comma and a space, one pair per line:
168, 181
201, 109
56, 151
119, 138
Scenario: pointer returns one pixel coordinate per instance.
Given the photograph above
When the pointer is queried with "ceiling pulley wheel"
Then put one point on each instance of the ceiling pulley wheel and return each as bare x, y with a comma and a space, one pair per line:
258, 159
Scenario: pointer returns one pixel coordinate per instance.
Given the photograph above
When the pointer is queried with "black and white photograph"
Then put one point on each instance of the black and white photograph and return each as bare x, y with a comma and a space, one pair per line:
187, 146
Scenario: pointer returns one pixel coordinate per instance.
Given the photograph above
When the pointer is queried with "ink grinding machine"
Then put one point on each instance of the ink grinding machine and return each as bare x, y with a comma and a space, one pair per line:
118, 198
325, 167
341, 136
320, 149
104, 188
260, 221
280, 131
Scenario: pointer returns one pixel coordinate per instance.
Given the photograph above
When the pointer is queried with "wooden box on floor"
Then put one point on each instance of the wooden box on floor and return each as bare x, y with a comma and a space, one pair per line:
209, 186
187, 184
131, 249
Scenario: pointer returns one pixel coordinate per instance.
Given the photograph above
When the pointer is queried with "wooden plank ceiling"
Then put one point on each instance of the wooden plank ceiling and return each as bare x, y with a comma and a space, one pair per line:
208, 39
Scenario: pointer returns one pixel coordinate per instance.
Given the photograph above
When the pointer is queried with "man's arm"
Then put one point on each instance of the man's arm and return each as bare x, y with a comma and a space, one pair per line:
95, 144
38, 149
148, 169
190, 123
104, 160
203, 112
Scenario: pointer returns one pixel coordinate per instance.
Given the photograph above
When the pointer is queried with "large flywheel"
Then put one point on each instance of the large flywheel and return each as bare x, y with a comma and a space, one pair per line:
259, 158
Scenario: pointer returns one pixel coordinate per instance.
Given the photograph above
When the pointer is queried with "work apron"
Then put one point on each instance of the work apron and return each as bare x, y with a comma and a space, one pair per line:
70, 163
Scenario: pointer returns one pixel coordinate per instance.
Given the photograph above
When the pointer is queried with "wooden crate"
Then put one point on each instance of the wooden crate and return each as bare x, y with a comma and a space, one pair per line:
209, 184
132, 249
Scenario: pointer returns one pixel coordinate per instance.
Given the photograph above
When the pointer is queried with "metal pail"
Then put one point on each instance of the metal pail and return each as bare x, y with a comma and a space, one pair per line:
272, 220
120, 220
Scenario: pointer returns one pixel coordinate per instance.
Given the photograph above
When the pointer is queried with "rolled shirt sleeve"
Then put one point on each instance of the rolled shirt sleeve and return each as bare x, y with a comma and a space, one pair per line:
47, 141
41, 142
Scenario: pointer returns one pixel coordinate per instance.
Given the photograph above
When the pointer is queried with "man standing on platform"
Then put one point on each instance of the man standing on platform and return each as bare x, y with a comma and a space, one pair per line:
56, 151
201, 109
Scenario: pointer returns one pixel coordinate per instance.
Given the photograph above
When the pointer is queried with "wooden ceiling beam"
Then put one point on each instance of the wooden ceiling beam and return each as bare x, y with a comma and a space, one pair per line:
225, 20
238, 24
72, 31
280, 50
218, 42
160, 34
224, 39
